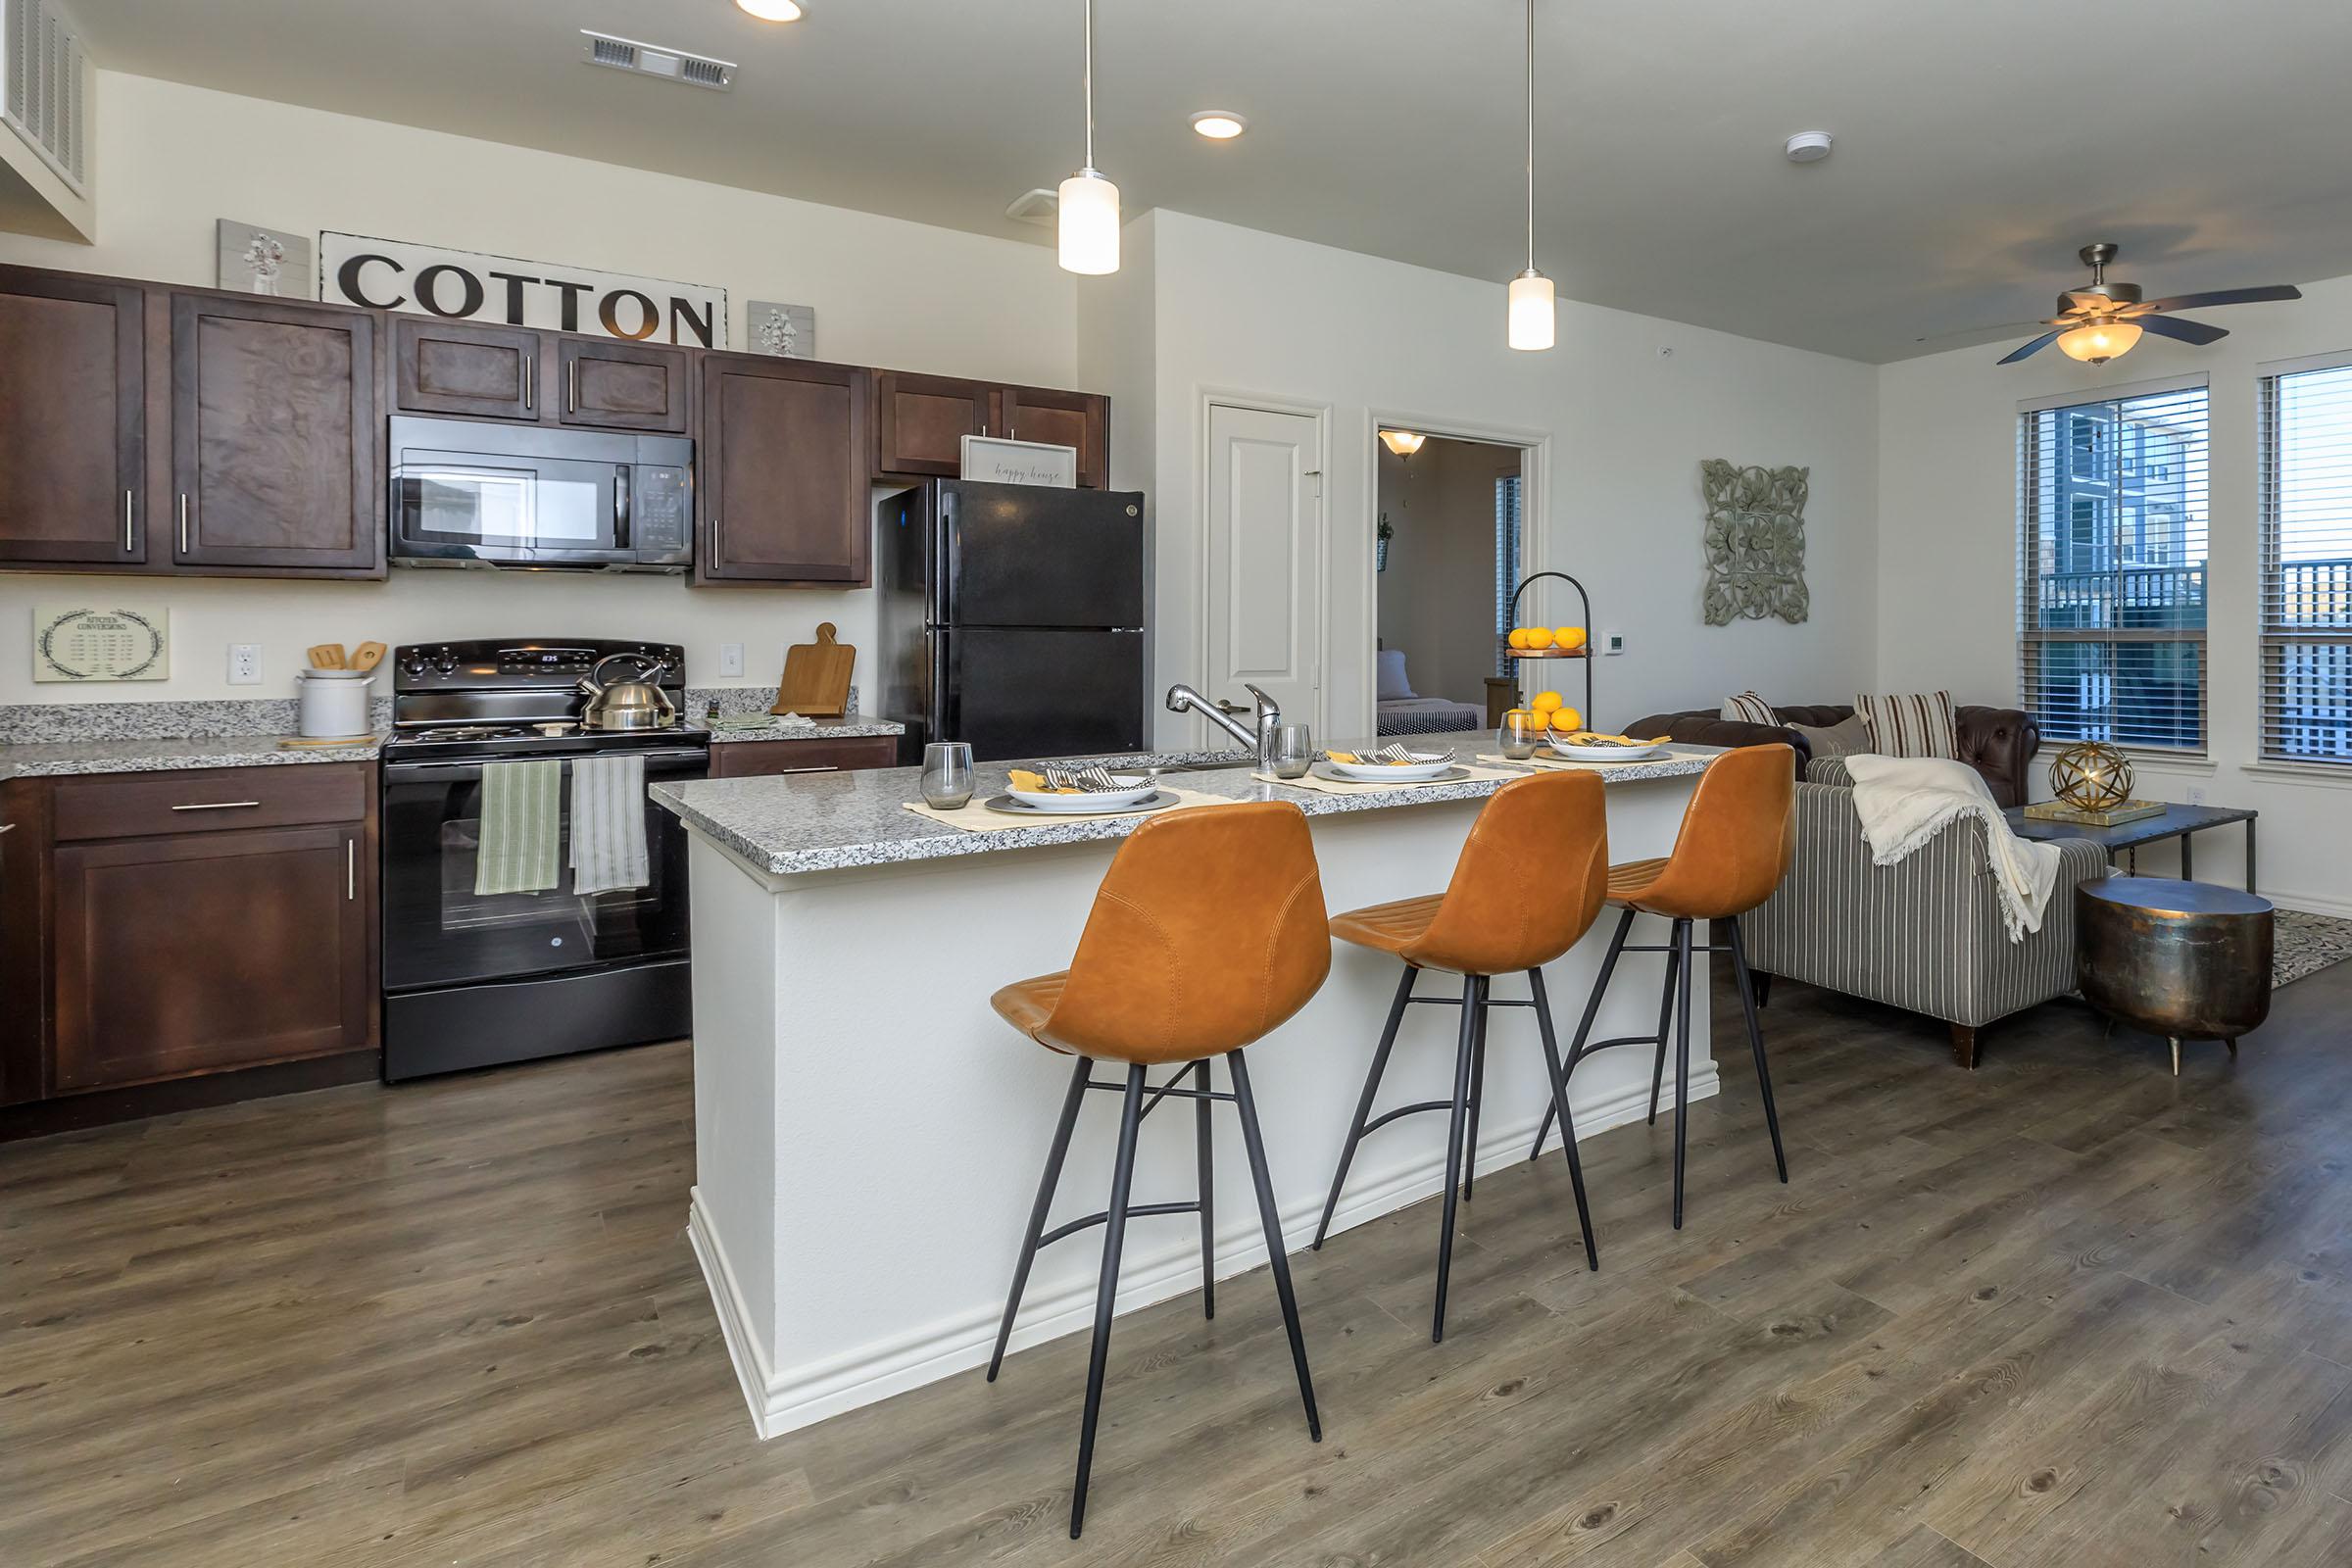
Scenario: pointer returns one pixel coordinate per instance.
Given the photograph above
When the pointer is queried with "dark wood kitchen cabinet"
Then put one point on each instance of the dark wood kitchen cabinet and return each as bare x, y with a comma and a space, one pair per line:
472, 373
1080, 419
276, 432
72, 419
920, 423
770, 759
784, 492
614, 385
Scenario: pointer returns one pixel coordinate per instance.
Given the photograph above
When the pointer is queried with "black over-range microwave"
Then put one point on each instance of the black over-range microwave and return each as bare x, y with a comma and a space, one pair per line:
468, 493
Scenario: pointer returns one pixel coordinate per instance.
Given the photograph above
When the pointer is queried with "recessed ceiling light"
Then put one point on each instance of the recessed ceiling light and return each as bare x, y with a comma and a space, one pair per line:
1219, 124
1808, 146
771, 9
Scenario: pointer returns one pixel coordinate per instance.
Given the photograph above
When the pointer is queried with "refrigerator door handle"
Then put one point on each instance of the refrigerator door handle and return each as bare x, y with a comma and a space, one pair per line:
948, 561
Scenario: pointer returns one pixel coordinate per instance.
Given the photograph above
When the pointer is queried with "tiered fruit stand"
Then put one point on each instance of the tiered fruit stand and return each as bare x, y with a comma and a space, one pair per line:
1584, 653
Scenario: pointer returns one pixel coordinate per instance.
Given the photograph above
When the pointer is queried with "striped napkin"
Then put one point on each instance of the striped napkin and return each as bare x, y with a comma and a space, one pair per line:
1390, 757
1095, 780
522, 827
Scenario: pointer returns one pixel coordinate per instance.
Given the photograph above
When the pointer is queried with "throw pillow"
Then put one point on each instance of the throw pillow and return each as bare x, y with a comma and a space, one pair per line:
1748, 708
1394, 684
1910, 725
1841, 739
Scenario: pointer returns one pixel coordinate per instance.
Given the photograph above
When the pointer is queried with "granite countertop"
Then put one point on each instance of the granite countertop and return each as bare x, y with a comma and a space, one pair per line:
849, 726
45, 759
838, 821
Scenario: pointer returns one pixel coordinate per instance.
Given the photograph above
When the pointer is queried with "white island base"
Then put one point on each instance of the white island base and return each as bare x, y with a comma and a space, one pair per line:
870, 1135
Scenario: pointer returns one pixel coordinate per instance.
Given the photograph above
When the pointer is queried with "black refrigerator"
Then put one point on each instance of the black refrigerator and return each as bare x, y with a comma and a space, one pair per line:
1012, 618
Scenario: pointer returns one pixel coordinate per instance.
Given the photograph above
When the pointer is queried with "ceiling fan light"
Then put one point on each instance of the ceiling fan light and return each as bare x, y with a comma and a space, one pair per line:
1531, 311
770, 9
1090, 224
2097, 342
1403, 443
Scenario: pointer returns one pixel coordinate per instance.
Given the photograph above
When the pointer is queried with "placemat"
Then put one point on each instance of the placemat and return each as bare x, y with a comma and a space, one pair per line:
974, 818
1563, 762
1333, 786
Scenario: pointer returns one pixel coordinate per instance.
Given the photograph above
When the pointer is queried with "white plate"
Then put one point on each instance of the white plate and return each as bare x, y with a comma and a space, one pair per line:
1379, 774
1602, 753
1081, 805
1137, 789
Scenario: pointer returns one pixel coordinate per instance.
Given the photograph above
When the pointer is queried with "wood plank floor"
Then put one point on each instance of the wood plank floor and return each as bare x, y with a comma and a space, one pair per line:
2068, 1310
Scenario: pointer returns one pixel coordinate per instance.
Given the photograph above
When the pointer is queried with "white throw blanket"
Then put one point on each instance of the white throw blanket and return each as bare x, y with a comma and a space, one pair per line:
1906, 801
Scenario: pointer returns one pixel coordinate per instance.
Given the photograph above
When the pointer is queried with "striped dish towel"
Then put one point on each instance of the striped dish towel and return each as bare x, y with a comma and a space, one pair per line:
608, 825
523, 823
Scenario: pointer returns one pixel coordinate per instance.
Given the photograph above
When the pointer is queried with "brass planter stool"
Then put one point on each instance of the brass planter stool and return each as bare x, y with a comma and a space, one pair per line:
2188, 960
1207, 934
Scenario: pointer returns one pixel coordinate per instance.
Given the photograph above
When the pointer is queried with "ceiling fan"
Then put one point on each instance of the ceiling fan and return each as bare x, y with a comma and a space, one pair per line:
2098, 324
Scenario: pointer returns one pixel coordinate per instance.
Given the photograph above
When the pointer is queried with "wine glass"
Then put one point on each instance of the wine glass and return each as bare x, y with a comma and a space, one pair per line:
1292, 752
1521, 733
947, 774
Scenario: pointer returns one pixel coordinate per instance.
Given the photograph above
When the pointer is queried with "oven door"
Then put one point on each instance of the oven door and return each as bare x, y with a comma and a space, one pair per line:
439, 932
528, 510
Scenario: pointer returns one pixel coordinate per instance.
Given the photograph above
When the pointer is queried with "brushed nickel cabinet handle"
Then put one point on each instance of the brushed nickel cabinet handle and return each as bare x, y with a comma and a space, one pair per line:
8, 827
216, 806
530, 378
828, 768
572, 387
351, 869
126, 522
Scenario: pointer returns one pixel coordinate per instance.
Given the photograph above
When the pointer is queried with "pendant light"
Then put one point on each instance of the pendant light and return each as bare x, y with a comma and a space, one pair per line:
1090, 203
1531, 311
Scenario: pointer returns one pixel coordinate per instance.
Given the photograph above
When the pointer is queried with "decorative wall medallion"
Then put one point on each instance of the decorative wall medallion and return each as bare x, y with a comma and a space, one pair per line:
1755, 542
788, 331
253, 259
119, 641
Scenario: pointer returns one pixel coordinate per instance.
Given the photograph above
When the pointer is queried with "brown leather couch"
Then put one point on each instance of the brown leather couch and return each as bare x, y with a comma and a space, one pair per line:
1997, 742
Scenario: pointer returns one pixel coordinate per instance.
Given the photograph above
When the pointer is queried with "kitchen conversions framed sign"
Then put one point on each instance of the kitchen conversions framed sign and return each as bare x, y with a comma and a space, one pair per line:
391, 274
118, 640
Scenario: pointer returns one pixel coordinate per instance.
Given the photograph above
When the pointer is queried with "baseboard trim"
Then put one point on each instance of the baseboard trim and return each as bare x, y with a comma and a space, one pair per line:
784, 1403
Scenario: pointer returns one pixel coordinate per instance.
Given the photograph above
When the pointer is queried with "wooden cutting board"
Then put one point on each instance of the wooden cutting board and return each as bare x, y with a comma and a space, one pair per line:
816, 678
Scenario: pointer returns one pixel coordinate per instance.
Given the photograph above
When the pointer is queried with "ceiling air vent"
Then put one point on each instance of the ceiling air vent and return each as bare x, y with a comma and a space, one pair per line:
652, 60
43, 72
1041, 207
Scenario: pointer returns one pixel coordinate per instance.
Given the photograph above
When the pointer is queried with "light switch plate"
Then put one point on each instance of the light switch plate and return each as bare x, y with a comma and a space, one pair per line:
244, 664
1612, 642
730, 658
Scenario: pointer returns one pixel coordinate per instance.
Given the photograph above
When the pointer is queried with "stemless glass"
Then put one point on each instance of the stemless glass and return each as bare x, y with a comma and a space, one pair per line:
1521, 733
1293, 751
947, 774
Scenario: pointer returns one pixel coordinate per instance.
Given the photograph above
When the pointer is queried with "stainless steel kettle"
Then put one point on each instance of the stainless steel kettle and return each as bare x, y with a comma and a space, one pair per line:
637, 703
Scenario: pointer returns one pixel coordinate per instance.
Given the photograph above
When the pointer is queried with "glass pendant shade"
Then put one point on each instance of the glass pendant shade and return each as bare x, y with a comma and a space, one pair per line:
1404, 443
2098, 342
1090, 224
1531, 311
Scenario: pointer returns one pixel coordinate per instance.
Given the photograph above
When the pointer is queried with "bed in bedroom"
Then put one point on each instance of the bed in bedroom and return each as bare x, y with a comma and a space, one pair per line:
1399, 711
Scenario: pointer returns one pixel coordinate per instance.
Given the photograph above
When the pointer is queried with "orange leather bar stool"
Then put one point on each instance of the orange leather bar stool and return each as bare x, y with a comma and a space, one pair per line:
1527, 888
1738, 836
1207, 933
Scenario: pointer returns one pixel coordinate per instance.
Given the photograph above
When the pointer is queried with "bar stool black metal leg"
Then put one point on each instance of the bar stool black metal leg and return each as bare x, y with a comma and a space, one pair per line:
1674, 957
1478, 1095
1106, 1290
1474, 1002
1045, 1201
1363, 1104
1756, 1043
1559, 1102
1584, 1025
1207, 1153
1682, 1060
1271, 1218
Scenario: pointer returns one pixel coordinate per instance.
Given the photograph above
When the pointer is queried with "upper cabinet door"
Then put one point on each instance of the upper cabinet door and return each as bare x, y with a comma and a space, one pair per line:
1080, 419
483, 372
623, 386
275, 435
785, 493
920, 422
73, 430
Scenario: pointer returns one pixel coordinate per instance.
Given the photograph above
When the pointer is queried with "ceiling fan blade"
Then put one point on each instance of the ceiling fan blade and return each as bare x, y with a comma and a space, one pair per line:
2225, 296
2182, 330
2034, 347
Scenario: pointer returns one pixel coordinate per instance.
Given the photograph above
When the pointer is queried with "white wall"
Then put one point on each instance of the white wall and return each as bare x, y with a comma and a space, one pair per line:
1437, 599
1248, 313
1947, 568
886, 292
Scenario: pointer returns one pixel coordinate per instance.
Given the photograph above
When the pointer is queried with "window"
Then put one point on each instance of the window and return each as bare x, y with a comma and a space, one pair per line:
2306, 461
2111, 568
1506, 565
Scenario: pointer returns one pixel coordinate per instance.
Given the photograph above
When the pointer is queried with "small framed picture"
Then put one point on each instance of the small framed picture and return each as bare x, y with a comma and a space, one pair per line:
254, 260
113, 639
788, 331
1002, 461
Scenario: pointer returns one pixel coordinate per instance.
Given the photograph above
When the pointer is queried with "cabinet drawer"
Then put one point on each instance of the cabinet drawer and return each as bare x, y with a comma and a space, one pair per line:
758, 759
209, 799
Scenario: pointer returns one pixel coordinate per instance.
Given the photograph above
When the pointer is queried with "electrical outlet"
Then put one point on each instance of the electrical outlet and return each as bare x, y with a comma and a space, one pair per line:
1612, 642
2196, 795
244, 664
730, 658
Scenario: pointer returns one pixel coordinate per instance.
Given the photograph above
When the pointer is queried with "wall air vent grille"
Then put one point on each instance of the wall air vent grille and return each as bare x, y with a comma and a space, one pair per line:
43, 66
652, 60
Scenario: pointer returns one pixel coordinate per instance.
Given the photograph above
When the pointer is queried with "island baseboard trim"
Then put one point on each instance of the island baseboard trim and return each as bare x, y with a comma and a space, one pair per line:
784, 1403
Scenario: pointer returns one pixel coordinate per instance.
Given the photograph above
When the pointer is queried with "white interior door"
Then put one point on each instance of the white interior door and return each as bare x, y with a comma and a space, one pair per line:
1265, 590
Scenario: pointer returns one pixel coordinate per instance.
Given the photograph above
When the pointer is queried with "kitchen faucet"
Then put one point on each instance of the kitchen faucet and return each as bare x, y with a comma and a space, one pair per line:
1269, 718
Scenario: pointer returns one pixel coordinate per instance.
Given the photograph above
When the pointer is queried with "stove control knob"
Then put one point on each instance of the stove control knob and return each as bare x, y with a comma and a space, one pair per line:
411, 664
446, 662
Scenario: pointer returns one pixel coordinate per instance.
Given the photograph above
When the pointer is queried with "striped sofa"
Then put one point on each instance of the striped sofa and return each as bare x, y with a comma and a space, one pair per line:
1924, 933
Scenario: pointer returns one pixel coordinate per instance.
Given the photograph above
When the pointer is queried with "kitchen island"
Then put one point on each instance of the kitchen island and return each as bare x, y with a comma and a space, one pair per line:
868, 1133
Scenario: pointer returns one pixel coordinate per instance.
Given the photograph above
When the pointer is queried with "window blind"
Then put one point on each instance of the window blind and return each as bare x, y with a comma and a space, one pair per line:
2306, 466
2111, 568
1506, 565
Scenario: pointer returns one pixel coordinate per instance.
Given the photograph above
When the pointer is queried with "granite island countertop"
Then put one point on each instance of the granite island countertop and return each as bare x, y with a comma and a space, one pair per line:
841, 821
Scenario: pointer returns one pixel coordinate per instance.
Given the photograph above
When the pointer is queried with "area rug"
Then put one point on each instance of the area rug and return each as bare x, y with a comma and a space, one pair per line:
2305, 944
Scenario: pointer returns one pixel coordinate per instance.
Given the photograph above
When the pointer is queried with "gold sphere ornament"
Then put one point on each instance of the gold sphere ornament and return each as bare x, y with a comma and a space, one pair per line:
2092, 776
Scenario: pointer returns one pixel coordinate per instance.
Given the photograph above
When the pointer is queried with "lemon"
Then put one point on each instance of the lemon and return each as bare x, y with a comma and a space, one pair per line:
1546, 701
1538, 638
1518, 637
1567, 720
1569, 637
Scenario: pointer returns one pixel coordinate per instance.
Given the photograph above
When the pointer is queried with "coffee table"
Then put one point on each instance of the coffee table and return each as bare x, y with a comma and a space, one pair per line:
2175, 822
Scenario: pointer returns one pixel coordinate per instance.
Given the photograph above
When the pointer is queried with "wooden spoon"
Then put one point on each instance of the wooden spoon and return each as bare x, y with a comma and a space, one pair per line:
368, 655
328, 655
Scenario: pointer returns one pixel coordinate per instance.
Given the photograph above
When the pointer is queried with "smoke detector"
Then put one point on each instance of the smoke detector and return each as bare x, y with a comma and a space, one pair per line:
662, 64
1041, 207
1808, 146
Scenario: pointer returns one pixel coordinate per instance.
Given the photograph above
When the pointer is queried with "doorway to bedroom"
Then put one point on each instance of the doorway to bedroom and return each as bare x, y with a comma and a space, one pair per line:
1449, 555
